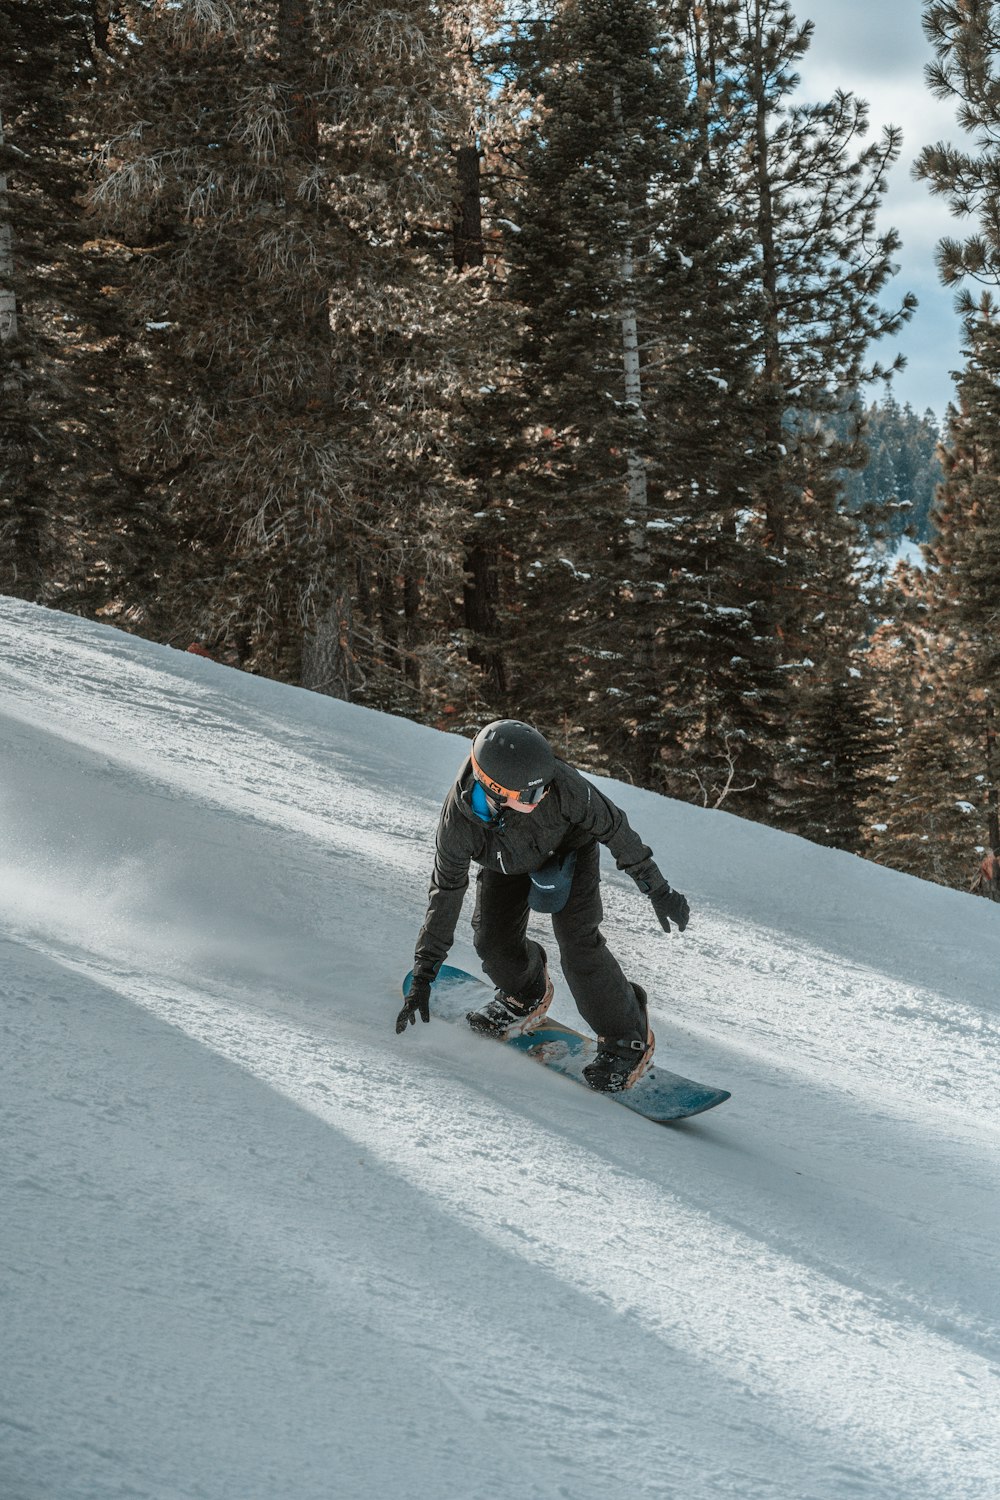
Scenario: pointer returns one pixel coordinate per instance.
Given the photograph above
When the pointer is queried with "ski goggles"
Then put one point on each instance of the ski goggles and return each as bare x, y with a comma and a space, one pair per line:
502, 796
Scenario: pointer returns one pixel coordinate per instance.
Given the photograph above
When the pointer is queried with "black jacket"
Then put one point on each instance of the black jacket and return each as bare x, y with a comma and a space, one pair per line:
572, 814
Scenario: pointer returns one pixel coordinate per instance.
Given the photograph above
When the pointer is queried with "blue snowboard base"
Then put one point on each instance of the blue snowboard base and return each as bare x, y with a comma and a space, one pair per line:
659, 1096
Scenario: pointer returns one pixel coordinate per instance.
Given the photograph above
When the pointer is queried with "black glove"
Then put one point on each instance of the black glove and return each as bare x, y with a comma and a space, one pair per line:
419, 999
670, 906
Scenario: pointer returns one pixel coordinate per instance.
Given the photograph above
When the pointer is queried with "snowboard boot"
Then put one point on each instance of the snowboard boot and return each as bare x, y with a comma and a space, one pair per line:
622, 1060
506, 1016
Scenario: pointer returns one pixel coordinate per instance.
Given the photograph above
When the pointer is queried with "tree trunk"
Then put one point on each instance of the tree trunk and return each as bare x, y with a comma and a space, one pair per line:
101, 10
411, 614
481, 586
481, 599
993, 783
21, 502
8, 296
329, 664
703, 33
468, 227
294, 41
637, 490
643, 751
775, 500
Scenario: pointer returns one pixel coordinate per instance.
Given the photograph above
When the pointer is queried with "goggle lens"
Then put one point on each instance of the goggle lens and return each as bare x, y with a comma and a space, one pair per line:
532, 795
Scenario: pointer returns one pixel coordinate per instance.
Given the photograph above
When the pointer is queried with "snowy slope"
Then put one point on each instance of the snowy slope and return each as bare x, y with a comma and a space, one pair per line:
252, 1244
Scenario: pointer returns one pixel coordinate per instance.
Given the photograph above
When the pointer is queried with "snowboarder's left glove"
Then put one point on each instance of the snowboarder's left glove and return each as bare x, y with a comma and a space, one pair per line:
419, 999
670, 906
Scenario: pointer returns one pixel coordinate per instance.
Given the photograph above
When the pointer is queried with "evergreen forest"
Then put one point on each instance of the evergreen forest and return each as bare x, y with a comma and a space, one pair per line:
494, 359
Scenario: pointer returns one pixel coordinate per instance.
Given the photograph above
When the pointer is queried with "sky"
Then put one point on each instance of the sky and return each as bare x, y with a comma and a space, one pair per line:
877, 49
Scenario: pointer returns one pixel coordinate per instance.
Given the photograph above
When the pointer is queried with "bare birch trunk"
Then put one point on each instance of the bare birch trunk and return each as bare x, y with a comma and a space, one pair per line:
638, 495
481, 586
637, 483
643, 747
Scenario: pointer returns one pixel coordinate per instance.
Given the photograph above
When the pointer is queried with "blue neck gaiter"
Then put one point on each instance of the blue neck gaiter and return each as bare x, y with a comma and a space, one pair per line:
480, 806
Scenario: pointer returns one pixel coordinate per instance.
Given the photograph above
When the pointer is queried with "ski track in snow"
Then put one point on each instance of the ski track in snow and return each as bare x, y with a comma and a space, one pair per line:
793, 1297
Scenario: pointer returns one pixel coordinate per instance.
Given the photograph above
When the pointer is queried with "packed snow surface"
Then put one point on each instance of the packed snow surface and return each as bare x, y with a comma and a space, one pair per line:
255, 1246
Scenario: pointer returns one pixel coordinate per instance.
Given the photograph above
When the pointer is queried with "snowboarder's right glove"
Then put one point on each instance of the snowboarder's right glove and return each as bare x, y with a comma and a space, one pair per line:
670, 906
419, 999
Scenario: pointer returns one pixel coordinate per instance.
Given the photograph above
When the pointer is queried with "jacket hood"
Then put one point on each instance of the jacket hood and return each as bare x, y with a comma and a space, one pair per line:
462, 792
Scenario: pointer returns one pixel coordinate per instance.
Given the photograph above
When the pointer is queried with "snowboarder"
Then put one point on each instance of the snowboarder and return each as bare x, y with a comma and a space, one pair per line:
533, 824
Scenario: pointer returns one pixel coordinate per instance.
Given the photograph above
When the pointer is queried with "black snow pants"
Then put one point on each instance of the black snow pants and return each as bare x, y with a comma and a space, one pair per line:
603, 995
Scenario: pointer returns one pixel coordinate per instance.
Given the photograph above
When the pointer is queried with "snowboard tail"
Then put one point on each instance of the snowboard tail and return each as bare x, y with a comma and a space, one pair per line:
658, 1095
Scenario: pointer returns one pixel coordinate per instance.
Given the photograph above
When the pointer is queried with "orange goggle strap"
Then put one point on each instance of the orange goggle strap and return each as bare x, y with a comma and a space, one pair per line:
496, 789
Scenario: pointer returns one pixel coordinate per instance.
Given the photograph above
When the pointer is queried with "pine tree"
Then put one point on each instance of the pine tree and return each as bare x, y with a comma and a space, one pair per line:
494, 123
844, 748
286, 171
808, 190
21, 521
928, 824
966, 557
965, 35
939, 811
624, 462
72, 519
966, 550
811, 191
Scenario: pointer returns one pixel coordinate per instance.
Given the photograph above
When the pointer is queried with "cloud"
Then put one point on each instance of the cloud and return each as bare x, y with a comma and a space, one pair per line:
877, 36
878, 51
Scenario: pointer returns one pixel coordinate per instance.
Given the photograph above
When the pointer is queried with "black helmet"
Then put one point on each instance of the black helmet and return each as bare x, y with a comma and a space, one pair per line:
512, 761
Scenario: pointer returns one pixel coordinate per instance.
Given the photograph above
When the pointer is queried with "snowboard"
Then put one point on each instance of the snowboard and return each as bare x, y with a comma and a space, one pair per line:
659, 1096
